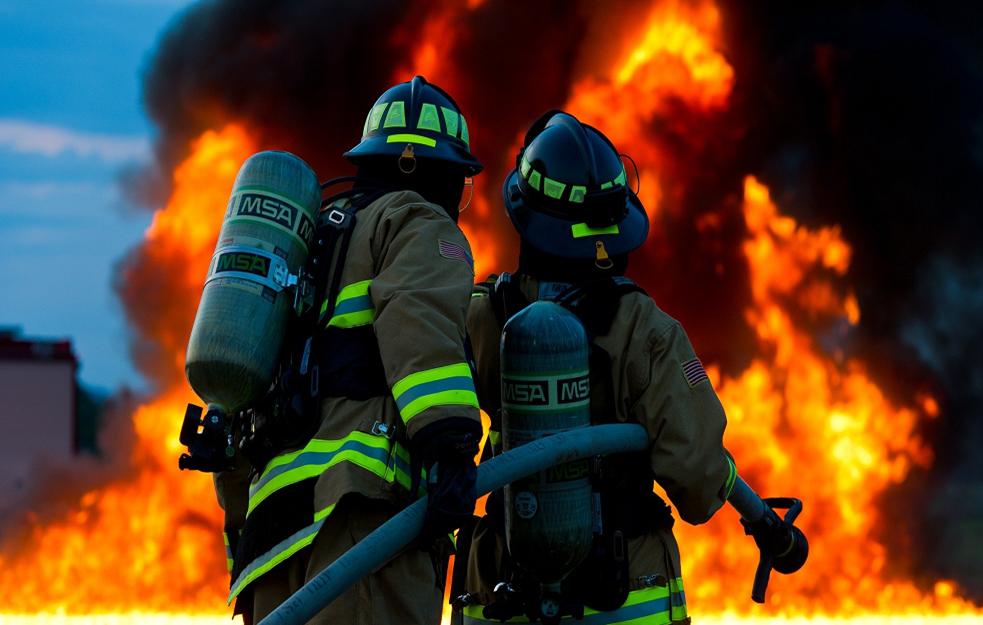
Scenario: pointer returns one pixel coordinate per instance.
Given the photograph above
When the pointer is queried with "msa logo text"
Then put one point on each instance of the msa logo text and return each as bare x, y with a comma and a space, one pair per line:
281, 213
529, 392
573, 389
568, 472
268, 208
241, 261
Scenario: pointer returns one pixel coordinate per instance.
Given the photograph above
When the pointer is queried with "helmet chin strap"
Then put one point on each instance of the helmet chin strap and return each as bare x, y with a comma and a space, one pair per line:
469, 183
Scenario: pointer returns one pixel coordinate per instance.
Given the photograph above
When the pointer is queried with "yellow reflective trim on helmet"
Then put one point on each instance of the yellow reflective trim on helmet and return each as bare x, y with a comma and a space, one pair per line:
450, 120
375, 116
621, 178
552, 188
396, 117
578, 194
464, 132
583, 230
429, 120
524, 167
607, 185
534, 179
405, 138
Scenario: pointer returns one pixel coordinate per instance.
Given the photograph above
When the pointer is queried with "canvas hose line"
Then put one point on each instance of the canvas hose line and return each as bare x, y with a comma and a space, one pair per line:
503, 469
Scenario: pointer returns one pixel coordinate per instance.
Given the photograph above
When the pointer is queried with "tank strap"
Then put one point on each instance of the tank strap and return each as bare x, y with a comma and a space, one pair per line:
250, 263
506, 298
351, 364
596, 302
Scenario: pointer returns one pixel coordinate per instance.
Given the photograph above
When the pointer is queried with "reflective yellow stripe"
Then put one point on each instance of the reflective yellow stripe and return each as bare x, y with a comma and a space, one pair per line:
429, 120
534, 178
396, 117
275, 556
443, 386
324, 513
353, 307
578, 194
408, 138
524, 166
464, 132
332, 453
397, 468
791, 544
450, 120
495, 437
583, 230
228, 552
552, 188
731, 477
375, 116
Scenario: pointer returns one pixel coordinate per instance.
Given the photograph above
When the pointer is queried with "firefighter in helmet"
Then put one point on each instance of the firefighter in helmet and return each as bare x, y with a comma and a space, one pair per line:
578, 221
397, 395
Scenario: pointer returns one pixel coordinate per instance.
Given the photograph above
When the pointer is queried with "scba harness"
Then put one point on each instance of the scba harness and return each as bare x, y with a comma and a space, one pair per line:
320, 359
625, 505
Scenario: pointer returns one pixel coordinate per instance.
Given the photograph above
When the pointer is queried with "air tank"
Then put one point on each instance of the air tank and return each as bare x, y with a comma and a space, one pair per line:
265, 237
546, 390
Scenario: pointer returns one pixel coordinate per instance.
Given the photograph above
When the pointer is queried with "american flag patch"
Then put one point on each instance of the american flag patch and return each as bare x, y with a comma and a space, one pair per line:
693, 372
453, 250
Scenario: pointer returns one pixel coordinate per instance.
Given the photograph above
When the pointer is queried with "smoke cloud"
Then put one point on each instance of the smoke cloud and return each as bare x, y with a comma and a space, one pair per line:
864, 114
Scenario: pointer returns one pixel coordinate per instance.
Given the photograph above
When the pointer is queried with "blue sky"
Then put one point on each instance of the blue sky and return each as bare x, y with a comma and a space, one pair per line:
70, 120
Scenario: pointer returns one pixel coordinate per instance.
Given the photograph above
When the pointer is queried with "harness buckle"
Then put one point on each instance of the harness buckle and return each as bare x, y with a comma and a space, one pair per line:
648, 581
381, 429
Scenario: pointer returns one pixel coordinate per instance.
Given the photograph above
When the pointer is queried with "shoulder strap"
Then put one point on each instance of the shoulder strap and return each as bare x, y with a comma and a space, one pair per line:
596, 302
506, 298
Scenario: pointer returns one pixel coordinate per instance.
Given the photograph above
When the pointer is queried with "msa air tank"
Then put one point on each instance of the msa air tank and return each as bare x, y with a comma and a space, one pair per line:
546, 390
266, 233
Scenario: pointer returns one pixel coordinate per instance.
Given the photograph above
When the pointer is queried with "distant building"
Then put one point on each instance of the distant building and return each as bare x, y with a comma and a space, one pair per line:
38, 415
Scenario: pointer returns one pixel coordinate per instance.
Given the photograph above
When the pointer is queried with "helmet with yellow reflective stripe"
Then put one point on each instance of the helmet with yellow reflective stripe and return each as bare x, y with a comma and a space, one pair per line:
420, 118
568, 194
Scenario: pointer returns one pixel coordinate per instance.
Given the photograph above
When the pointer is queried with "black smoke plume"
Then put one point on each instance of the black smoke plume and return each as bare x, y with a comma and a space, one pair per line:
864, 114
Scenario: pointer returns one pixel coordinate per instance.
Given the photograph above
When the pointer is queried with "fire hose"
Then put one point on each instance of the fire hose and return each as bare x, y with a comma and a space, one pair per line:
398, 532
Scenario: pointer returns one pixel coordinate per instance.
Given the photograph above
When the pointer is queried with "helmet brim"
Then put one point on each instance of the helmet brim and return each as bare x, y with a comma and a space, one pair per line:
443, 151
567, 239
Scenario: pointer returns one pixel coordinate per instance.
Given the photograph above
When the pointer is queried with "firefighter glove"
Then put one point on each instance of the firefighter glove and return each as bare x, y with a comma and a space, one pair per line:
446, 449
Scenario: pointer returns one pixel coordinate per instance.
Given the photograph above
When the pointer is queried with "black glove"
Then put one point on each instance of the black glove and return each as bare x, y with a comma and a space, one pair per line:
446, 449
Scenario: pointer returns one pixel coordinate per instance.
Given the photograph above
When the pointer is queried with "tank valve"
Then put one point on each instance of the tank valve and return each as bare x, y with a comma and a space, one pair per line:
211, 449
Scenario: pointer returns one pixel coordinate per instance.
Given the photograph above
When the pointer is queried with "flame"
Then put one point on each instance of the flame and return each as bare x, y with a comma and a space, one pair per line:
799, 424
675, 59
151, 543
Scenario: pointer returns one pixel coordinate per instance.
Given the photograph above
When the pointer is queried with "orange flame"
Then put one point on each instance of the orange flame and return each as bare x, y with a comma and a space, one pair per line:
675, 58
801, 425
153, 543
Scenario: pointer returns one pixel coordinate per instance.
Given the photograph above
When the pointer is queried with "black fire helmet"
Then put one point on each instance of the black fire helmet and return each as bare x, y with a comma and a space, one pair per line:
418, 118
567, 195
